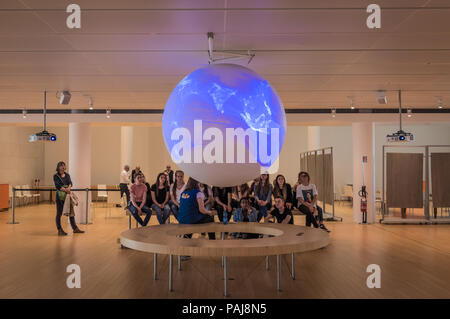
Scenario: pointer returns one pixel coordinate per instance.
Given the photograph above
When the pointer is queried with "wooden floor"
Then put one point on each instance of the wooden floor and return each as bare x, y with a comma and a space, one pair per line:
414, 261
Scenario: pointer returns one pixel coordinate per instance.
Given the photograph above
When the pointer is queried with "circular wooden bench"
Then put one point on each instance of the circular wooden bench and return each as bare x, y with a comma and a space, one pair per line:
279, 239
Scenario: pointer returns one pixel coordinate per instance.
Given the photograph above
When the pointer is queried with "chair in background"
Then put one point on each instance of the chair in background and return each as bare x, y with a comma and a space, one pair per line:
348, 192
19, 196
113, 200
378, 200
27, 194
103, 194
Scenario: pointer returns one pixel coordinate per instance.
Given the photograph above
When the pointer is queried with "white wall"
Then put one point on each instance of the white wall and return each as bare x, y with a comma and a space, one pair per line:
21, 162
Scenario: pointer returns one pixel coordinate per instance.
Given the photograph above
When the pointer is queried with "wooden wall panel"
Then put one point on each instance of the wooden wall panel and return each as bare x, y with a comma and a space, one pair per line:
440, 179
404, 174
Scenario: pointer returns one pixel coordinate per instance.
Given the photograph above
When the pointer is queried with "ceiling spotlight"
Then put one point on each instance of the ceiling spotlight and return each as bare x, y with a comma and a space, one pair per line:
352, 105
64, 97
333, 112
381, 97
409, 112
24, 113
108, 113
439, 105
91, 104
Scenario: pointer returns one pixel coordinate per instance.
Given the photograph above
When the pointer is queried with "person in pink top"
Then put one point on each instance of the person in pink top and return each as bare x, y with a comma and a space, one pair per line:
138, 197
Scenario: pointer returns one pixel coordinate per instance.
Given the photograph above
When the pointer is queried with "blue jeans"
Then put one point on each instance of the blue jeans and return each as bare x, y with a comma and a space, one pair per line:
161, 215
262, 212
174, 209
135, 214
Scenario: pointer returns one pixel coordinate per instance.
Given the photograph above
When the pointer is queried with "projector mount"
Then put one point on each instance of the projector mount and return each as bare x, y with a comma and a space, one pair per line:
231, 54
400, 135
44, 135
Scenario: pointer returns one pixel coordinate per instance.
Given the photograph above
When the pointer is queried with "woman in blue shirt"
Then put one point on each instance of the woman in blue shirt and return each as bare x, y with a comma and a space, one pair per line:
263, 195
192, 208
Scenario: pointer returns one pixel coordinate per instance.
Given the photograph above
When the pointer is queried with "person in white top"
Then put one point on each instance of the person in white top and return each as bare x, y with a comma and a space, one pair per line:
306, 194
124, 182
176, 189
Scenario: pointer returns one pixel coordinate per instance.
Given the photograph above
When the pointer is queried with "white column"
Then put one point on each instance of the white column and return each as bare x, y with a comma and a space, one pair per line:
313, 138
363, 137
80, 165
126, 146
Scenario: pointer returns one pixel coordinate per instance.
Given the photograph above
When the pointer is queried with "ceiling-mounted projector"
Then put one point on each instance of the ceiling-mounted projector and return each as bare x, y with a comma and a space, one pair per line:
44, 135
64, 97
400, 135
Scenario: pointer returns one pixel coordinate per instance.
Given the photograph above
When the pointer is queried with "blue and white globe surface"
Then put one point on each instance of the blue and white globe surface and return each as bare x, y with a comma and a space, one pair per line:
224, 124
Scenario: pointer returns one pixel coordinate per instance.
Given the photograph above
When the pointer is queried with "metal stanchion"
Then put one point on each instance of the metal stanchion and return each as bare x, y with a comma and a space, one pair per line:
170, 272
278, 273
179, 263
267, 263
87, 208
13, 210
293, 265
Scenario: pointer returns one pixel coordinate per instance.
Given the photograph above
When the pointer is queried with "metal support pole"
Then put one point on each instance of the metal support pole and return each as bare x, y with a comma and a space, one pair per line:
155, 266
383, 206
129, 221
293, 265
223, 238
323, 183
278, 273
179, 263
170, 272
267, 263
427, 184
225, 278
332, 177
13, 208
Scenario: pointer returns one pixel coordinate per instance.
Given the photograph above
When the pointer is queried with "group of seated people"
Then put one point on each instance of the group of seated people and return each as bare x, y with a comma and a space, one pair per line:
193, 202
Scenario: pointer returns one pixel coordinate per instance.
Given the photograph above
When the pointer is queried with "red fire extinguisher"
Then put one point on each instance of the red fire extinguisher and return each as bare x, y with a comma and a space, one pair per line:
363, 194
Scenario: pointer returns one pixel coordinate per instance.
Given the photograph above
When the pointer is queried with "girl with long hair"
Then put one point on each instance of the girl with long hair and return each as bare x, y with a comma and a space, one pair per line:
176, 189
263, 195
160, 198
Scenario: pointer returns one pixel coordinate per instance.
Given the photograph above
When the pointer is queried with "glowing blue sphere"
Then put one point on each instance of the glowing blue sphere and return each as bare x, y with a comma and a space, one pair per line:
224, 124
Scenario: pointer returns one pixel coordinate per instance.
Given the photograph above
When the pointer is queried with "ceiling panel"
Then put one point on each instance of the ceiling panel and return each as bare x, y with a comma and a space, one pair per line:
131, 54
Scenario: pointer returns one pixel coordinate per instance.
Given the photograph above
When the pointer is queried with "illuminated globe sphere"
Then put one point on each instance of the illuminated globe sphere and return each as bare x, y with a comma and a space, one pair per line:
224, 124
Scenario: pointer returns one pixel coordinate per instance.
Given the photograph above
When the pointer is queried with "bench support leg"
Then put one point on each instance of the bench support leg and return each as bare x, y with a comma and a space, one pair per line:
155, 266
170, 272
293, 265
278, 273
225, 278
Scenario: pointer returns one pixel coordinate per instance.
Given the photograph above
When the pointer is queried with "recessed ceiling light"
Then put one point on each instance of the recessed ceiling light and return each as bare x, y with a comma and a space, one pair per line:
108, 113
24, 113
409, 112
333, 112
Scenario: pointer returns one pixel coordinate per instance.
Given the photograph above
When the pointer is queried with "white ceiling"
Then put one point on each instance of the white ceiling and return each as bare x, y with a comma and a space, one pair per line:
131, 54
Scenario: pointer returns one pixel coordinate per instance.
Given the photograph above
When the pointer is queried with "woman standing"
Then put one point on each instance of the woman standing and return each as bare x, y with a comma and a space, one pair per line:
63, 184
263, 195
175, 192
160, 198
282, 189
